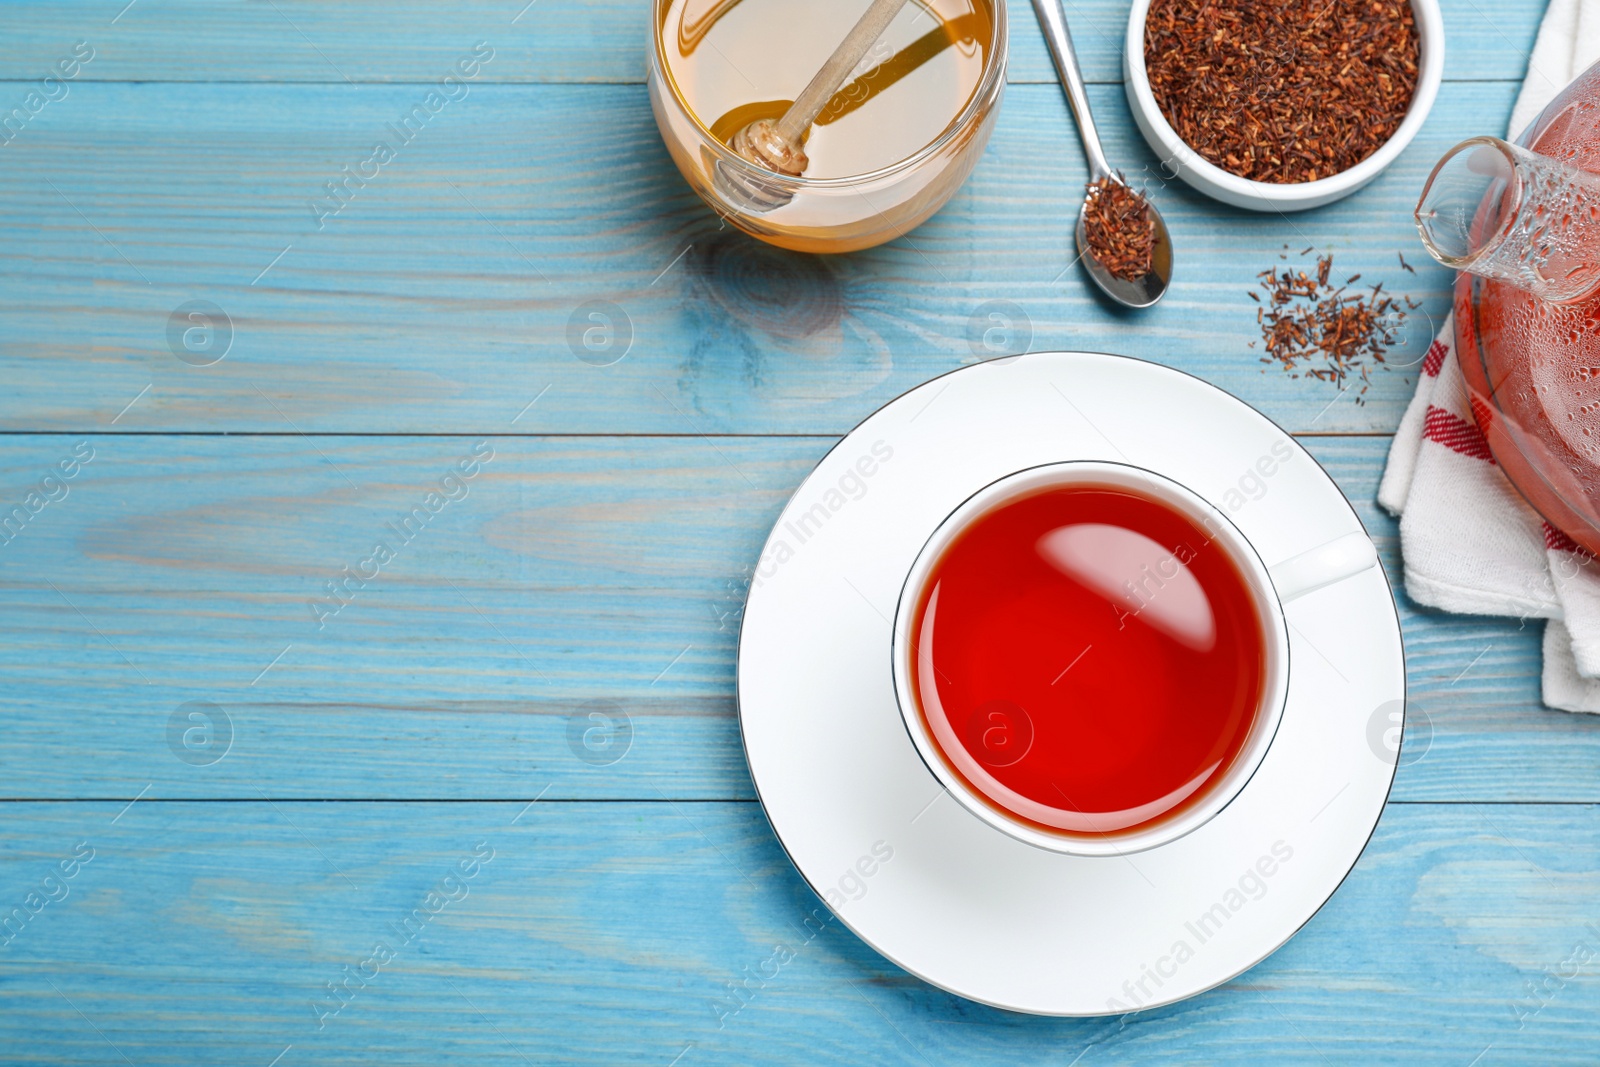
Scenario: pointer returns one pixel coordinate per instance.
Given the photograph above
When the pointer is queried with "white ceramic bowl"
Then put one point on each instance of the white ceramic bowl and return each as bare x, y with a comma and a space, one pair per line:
1268, 196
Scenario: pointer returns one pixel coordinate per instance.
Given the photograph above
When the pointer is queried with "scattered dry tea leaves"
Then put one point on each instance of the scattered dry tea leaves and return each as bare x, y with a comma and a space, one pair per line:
1278, 91
1313, 329
1119, 228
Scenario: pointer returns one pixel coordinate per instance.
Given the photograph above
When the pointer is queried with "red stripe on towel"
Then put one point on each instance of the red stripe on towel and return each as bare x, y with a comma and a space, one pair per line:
1556, 541
1434, 359
1456, 434
1480, 410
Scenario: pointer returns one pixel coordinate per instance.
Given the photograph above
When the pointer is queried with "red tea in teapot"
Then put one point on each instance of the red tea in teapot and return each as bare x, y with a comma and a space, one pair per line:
1529, 348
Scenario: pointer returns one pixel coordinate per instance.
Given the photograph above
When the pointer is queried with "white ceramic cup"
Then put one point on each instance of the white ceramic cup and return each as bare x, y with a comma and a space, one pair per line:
1269, 589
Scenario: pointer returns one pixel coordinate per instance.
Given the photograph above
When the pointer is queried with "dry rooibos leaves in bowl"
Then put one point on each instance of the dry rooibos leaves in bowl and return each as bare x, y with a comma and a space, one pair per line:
1282, 91
1119, 228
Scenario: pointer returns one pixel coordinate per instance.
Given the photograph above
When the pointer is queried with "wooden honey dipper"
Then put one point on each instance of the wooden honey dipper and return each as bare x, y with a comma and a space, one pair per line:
776, 145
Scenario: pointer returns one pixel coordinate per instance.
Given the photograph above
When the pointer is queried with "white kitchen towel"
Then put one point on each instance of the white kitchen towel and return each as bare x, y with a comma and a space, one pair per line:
1470, 543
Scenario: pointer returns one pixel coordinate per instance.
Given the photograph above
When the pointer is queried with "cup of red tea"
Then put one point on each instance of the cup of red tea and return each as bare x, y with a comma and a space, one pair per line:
1091, 658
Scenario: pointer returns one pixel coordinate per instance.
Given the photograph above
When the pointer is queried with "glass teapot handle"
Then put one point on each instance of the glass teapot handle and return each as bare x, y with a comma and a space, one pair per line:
1500, 211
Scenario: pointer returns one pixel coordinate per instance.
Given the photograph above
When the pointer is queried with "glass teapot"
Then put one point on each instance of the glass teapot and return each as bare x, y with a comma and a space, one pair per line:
1521, 223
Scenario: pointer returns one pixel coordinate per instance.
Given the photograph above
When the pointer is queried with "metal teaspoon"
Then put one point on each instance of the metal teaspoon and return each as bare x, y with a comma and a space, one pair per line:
1142, 292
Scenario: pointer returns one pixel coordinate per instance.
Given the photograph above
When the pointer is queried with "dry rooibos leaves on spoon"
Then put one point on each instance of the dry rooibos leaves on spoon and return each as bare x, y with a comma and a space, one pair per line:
1119, 229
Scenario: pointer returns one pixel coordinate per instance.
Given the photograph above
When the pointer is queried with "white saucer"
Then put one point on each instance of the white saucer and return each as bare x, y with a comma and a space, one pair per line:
927, 884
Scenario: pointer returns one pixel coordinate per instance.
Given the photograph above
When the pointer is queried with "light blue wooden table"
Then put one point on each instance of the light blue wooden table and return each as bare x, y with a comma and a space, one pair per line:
418, 756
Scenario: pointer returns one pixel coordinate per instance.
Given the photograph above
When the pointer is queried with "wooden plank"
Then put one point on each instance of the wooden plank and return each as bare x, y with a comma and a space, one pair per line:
550, 41
440, 298
185, 569
577, 575
609, 933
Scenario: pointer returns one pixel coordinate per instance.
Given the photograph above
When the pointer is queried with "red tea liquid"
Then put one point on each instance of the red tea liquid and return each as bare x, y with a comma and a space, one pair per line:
1088, 659
1538, 364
